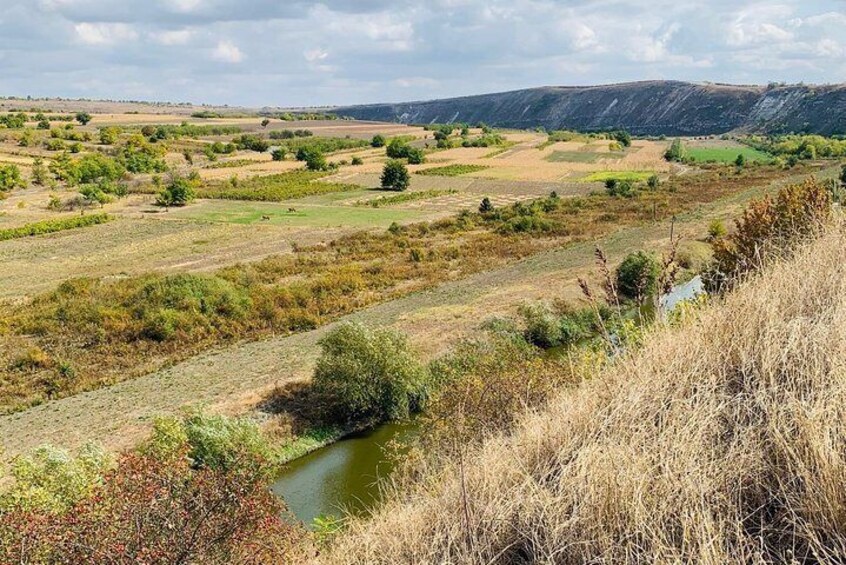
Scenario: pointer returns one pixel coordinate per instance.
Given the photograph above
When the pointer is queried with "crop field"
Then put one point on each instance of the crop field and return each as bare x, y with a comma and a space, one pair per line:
724, 152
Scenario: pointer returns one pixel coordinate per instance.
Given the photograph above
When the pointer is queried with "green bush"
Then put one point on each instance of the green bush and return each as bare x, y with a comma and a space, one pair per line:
395, 176
370, 373
10, 178
378, 140
543, 327
637, 275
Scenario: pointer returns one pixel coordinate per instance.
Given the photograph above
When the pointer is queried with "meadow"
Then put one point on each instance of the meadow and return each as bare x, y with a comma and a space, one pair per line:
716, 152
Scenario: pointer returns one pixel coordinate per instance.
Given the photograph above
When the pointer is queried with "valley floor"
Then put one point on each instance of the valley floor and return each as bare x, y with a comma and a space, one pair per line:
234, 379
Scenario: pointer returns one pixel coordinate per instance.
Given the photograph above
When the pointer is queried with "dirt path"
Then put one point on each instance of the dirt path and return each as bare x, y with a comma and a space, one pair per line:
233, 379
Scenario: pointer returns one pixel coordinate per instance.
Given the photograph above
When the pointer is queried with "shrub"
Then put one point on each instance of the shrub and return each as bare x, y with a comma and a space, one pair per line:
399, 149
83, 117
676, 151
371, 374
10, 178
653, 182
620, 187
356, 160
716, 230
395, 176
378, 140
109, 135
767, 227
278, 154
316, 161
637, 275
486, 206
542, 325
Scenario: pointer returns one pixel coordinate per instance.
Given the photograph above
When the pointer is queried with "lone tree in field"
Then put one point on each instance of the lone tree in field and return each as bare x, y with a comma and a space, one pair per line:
378, 140
637, 276
740, 161
83, 117
395, 176
178, 193
486, 205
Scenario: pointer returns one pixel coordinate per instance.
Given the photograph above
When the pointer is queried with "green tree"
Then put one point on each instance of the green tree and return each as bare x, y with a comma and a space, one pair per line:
740, 161
676, 151
370, 373
178, 192
40, 176
83, 117
486, 205
623, 138
395, 176
378, 140
637, 276
109, 135
10, 178
265, 122
316, 161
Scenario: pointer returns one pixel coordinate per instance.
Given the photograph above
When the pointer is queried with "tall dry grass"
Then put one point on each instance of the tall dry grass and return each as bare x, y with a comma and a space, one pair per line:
720, 442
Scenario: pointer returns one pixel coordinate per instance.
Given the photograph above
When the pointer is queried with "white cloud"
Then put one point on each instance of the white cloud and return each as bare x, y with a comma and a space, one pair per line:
173, 37
184, 6
314, 55
227, 52
104, 33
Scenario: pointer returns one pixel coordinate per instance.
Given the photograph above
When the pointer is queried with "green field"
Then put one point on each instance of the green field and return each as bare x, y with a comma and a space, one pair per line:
602, 176
308, 215
726, 154
581, 156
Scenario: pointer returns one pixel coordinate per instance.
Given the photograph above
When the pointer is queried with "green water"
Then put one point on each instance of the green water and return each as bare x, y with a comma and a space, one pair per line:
339, 477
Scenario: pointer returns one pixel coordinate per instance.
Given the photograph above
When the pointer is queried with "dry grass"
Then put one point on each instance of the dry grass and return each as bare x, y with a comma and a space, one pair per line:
719, 442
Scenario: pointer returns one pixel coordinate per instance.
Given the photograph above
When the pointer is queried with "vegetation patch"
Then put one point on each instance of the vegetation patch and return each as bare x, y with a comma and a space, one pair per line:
273, 188
453, 170
632, 176
404, 197
581, 156
52, 226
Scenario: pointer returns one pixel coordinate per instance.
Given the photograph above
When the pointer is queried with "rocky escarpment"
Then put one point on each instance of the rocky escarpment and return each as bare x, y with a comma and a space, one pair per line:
646, 108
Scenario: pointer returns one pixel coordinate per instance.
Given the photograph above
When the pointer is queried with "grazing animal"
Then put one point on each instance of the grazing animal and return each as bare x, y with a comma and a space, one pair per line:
265, 218
292, 209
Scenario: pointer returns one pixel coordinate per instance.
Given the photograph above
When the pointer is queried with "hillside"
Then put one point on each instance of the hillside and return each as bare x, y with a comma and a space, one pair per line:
646, 108
720, 441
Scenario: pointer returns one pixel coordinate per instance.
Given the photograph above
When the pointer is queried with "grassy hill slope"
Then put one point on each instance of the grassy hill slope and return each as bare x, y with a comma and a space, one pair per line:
719, 441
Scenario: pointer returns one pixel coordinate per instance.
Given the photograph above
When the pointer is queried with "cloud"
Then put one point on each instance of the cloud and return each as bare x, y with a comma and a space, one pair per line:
104, 33
227, 52
315, 52
173, 36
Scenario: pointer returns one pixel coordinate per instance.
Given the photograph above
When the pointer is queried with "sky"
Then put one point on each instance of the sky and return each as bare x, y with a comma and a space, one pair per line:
336, 52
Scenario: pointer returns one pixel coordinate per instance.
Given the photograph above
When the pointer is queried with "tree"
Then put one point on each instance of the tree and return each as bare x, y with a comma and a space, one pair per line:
676, 151
179, 192
265, 122
623, 138
83, 117
370, 373
637, 276
10, 178
378, 140
109, 135
740, 161
486, 205
40, 175
395, 176
316, 161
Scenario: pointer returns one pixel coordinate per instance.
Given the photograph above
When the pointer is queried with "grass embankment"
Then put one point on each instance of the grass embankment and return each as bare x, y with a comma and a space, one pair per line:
719, 441
91, 333
52, 226
273, 188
